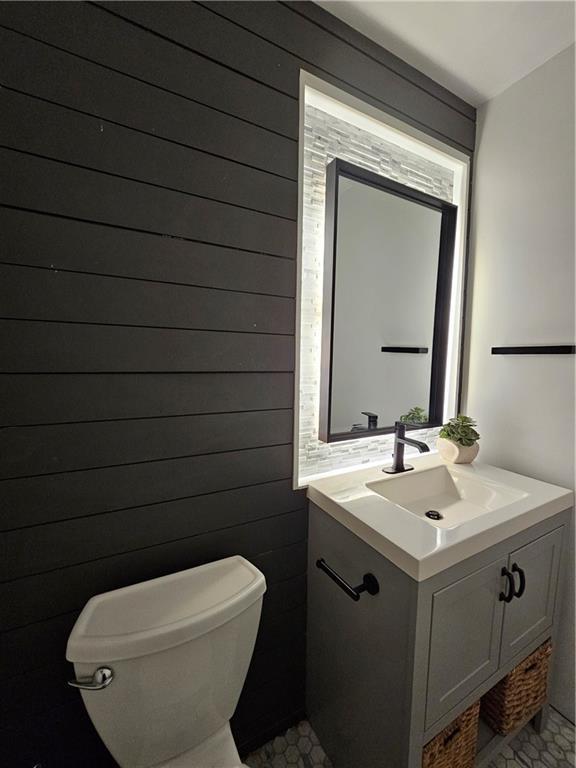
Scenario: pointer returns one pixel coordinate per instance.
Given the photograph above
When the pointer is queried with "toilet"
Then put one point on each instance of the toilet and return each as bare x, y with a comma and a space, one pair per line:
161, 664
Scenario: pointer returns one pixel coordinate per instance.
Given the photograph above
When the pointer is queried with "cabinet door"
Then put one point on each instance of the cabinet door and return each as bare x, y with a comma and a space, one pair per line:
464, 638
530, 614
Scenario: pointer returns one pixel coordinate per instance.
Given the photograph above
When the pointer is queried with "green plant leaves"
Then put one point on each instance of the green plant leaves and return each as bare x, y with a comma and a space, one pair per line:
460, 430
415, 415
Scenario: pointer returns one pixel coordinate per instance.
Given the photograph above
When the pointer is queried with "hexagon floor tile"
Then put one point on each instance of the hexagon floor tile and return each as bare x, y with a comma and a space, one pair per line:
297, 748
553, 748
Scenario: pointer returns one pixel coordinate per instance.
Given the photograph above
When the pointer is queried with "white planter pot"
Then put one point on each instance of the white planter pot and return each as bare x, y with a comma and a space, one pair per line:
455, 453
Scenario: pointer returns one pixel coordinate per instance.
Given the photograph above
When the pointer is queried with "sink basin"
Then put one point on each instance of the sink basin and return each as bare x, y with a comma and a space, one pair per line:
449, 497
479, 505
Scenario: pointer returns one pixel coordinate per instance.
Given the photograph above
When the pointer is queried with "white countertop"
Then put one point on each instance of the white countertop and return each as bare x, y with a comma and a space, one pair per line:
412, 543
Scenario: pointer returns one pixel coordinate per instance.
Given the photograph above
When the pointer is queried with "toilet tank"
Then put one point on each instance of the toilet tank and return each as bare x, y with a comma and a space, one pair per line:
179, 647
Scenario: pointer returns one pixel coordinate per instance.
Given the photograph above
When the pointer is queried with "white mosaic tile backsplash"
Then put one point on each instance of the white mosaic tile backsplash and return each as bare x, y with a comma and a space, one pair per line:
327, 137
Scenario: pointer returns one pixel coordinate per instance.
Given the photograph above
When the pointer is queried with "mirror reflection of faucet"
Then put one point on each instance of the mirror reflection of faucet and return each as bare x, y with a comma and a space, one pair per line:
372, 419
372, 422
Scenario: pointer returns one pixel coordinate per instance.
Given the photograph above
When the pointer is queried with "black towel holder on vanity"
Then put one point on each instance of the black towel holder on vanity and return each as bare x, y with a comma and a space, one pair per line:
541, 349
369, 582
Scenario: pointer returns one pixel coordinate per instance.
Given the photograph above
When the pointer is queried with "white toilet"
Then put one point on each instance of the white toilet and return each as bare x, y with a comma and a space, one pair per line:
161, 664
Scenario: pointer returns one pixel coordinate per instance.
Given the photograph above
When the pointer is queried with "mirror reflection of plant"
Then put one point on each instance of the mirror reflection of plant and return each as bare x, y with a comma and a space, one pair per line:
415, 415
460, 430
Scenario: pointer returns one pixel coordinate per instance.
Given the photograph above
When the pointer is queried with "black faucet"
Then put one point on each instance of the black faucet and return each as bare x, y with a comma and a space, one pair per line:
400, 440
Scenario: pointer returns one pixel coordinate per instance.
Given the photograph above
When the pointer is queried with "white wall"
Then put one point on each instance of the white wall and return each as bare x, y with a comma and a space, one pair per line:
522, 292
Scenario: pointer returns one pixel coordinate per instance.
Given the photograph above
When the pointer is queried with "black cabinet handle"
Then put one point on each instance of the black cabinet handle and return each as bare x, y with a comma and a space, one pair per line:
511, 586
522, 588
369, 583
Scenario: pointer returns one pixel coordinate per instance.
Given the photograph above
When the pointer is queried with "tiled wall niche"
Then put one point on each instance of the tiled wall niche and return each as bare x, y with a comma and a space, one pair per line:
326, 136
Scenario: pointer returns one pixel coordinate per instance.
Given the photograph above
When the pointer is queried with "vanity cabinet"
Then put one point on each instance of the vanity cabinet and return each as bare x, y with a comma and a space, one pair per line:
387, 672
464, 638
526, 617
487, 618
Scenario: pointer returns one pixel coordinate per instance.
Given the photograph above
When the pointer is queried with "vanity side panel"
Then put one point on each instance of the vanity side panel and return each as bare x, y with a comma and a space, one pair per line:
360, 654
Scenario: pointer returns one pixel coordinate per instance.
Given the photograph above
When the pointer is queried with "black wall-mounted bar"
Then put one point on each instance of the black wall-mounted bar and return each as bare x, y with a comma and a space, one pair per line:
369, 582
404, 350
543, 349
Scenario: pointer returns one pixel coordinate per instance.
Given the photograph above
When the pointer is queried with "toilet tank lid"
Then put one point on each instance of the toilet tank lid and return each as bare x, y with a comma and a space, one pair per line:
161, 613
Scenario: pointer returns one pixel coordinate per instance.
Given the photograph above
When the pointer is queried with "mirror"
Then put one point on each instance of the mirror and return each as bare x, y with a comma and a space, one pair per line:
387, 282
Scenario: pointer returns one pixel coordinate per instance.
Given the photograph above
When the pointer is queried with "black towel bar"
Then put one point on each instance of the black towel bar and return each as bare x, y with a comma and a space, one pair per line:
369, 582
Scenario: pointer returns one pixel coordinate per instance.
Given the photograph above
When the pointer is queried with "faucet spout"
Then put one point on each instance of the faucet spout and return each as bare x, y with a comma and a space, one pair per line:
400, 440
422, 447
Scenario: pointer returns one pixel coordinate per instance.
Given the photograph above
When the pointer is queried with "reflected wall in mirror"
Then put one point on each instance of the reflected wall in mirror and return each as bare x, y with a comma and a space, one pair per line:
387, 283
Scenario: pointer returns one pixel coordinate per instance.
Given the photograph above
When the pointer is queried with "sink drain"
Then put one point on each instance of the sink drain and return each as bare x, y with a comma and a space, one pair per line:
434, 515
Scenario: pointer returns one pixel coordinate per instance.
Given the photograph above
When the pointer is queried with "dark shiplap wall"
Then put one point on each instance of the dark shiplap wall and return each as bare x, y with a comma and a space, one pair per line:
148, 219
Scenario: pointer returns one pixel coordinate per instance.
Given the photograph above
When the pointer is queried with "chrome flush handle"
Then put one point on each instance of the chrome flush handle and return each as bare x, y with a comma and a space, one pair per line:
100, 679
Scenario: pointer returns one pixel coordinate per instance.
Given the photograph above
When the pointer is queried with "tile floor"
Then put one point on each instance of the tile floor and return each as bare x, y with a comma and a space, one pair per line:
554, 748
299, 747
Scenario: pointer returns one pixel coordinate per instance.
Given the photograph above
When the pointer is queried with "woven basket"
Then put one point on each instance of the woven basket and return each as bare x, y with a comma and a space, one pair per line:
455, 746
517, 697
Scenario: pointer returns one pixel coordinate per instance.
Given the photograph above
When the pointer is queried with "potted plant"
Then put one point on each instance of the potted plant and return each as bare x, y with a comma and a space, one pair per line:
415, 415
458, 441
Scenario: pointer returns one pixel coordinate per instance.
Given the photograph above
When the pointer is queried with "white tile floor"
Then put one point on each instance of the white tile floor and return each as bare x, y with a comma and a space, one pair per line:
554, 748
298, 747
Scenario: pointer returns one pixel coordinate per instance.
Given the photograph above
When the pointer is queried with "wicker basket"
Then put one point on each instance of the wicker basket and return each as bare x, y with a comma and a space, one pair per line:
455, 746
517, 697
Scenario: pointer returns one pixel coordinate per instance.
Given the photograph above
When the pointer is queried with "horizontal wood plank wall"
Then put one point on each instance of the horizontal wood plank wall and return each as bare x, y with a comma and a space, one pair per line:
148, 209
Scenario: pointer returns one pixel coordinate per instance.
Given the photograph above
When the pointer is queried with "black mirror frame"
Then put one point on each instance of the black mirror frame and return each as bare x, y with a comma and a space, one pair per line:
334, 171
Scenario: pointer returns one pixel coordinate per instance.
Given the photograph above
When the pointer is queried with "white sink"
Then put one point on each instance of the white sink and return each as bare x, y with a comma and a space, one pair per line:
451, 498
480, 506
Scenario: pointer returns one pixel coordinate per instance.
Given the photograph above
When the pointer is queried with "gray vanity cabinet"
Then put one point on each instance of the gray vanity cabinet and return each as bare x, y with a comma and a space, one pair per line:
474, 630
526, 617
387, 672
464, 638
